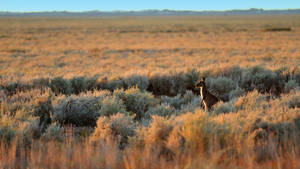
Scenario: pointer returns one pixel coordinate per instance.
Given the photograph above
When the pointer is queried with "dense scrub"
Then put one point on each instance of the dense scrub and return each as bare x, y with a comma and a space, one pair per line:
226, 83
157, 115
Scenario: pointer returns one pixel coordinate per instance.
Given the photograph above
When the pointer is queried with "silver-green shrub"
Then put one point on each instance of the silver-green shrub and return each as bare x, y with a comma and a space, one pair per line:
111, 105
79, 84
60, 85
162, 110
136, 101
221, 87
117, 127
77, 110
53, 132
140, 81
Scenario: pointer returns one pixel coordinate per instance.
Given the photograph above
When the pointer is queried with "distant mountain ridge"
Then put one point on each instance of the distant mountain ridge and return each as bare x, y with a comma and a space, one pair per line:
165, 12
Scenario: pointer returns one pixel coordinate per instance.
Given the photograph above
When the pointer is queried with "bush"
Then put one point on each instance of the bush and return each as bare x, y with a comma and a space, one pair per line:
54, 132
43, 109
13, 88
139, 81
267, 138
252, 101
175, 102
191, 106
294, 101
178, 101
28, 131
60, 85
297, 78
7, 134
224, 108
191, 78
203, 132
117, 127
277, 29
110, 84
79, 84
264, 80
136, 101
91, 83
111, 105
40, 83
162, 110
77, 110
170, 85
290, 85
221, 86
236, 93
156, 137
159, 130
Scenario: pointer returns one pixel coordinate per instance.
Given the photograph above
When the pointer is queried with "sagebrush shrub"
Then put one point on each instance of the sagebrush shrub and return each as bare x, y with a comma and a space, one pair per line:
297, 78
79, 84
175, 102
224, 107
162, 110
252, 101
290, 85
157, 135
7, 133
91, 83
159, 84
236, 93
167, 84
177, 83
264, 79
271, 136
179, 101
221, 86
159, 131
28, 131
117, 127
140, 81
294, 101
54, 133
111, 105
136, 101
191, 78
15, 87
40, 83
43, 109
77, 110
60, 85
111, 84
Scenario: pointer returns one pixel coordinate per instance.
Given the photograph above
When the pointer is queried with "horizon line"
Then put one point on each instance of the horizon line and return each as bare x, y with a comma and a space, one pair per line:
141, 10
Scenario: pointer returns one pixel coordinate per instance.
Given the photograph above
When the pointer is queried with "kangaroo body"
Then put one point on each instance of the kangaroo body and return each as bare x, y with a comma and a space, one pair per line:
207, 98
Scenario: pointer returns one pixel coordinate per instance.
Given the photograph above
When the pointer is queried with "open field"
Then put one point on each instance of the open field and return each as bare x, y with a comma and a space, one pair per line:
118, 92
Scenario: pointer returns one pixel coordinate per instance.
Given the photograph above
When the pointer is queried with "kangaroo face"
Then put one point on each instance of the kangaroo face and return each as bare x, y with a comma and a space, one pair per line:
201, 83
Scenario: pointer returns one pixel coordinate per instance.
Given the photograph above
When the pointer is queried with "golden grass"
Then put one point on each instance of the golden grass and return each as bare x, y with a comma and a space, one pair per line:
252, 130
47, 47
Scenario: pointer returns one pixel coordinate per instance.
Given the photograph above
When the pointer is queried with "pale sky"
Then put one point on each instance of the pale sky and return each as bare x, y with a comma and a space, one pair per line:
109, 5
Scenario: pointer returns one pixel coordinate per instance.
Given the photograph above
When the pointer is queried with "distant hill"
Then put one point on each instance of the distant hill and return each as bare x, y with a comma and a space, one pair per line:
151, 13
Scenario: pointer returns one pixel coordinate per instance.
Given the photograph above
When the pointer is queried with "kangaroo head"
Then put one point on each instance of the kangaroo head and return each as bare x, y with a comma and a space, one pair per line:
201, 83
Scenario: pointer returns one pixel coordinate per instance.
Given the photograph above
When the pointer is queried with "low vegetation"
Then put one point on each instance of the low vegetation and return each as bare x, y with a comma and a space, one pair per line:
69, 114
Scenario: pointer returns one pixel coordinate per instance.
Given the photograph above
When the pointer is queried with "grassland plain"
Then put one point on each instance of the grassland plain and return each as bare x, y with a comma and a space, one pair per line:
118, 92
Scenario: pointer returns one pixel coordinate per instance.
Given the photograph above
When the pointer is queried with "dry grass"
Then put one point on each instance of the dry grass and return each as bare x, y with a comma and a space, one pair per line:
118, 92
50, 47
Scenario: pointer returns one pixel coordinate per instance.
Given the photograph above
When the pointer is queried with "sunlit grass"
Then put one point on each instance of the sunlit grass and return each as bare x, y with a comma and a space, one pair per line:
118, 92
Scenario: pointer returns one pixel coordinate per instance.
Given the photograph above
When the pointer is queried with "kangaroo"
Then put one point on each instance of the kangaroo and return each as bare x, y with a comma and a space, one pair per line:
208, 99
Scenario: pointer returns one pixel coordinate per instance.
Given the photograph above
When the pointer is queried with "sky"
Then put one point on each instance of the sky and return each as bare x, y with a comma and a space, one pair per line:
111, 5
